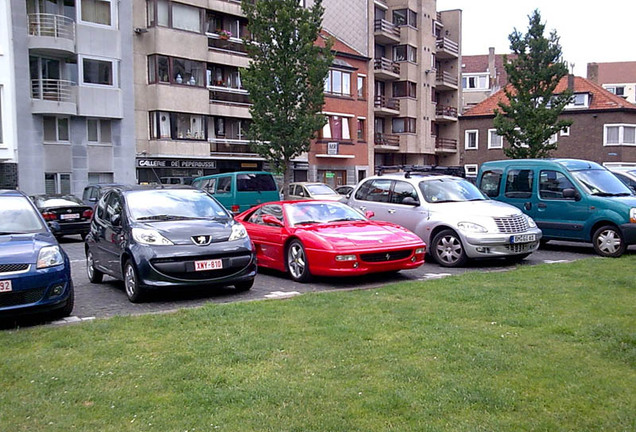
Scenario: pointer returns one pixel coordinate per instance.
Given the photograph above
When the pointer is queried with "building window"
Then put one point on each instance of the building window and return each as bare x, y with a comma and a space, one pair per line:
404, 53
337, 128
494, 141
56, 129
174, 15
362, 87
405, 17
579, 100
617, 90
470, 170
338, 83
224, 76
566, 131
476, 82
100, 72
164, 125
98, 131
405, 89
1, 140
361, 134
470, 139
619, 134
403, 125
96, 11
57, 183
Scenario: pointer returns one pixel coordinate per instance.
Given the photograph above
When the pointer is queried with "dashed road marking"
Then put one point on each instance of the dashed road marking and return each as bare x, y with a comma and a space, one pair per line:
556, 261
281, 294
435, 275
72, 319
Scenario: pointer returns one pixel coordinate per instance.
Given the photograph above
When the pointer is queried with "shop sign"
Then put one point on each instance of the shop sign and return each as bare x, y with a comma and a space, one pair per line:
332, 148
330, 174
177, 163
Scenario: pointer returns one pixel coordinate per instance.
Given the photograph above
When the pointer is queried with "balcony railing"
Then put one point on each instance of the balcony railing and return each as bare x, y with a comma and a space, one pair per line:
58, 26
445, 144
446, 78
446, 111
235, 45
386, 139
229, 95
387, 65
52, 90
388, 103
229, 145
384, 26
447, 45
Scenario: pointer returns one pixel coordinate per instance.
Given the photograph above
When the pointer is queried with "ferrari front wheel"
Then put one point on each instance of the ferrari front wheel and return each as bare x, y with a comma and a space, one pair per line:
297, 264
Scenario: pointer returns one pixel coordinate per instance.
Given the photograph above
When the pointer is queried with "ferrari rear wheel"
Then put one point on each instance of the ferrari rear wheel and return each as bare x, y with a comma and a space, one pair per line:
297, 264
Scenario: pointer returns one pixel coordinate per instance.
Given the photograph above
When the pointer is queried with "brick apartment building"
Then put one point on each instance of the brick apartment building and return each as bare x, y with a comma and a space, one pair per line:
616, 77
603, 129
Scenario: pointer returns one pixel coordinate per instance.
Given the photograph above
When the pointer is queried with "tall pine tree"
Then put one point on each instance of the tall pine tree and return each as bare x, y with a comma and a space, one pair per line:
531, 116
285, 79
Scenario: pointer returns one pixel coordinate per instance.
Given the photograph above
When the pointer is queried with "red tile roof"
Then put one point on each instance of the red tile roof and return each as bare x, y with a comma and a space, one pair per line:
600, 99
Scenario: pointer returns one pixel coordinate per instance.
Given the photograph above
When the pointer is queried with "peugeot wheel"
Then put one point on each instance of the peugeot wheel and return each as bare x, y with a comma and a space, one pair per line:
94, 275
608, 242
297, 262
134, 291
447, 249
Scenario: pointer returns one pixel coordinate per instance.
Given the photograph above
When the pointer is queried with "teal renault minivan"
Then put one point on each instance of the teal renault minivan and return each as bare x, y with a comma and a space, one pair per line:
569, 199
240, 190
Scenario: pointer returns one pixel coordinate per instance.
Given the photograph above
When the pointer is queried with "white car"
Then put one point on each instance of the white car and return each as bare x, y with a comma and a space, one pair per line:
315, 191
454, 218
625, 174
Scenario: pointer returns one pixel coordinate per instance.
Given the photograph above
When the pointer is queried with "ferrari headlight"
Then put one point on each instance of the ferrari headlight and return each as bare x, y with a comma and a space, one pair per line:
238, 232
49, 256
471, 227
149, 237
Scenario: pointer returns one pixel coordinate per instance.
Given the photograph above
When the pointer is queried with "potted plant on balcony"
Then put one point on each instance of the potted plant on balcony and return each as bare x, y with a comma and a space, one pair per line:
224, 34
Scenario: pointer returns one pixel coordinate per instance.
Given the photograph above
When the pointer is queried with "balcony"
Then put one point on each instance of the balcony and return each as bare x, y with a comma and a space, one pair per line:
445, 81
52, 96
230, 148
386, 69
445, 114
386, 106
49, 33
385, 32
232, 45
446, 48
445, 145
386, 142
229, 96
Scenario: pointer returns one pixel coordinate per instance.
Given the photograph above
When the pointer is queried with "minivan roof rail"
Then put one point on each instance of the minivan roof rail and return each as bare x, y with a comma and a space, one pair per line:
457, 171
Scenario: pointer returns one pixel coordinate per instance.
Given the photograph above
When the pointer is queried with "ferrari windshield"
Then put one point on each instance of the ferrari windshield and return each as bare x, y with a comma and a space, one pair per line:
320, 212
601, 182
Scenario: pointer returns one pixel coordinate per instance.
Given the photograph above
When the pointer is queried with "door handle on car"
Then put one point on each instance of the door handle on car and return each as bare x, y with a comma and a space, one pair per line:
363, 208
542, 205
391, 211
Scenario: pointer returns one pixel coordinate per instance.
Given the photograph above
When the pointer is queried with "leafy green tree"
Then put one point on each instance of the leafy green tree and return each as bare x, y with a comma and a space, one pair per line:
531, 115
285, 79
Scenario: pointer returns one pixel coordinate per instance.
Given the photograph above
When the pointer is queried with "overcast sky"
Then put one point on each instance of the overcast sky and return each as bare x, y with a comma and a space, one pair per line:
590, 31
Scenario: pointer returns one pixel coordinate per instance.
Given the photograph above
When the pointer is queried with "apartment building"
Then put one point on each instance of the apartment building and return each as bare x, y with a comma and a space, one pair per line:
8, 140
616, 77
482, 76
72, 93
416, 73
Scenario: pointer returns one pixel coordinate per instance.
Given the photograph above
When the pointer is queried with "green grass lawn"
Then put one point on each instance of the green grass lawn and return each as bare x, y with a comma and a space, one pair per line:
541, 348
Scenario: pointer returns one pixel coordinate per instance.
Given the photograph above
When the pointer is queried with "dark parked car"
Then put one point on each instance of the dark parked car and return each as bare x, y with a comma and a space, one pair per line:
71, 215
152, 237
35, 273
93, 192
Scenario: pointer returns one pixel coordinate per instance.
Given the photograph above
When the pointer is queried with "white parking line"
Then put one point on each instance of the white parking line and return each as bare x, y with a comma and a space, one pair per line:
281, 294
72, 319
556, 261
435, 275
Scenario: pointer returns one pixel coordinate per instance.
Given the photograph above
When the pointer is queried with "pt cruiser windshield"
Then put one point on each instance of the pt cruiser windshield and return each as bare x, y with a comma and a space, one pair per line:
450, 190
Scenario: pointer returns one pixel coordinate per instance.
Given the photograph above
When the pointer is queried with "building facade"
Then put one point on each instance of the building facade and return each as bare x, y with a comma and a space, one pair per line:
603, 128
616, 77
8, 139
482, 76
73, 93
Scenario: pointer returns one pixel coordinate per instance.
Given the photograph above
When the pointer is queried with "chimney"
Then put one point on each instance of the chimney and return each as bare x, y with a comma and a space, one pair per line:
492, 69
571, 82
592, 72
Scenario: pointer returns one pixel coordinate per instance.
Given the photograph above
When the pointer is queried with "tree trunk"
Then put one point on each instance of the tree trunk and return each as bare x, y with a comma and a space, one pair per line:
288, 177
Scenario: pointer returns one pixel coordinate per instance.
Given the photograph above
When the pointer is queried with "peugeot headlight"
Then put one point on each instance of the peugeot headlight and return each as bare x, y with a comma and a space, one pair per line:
149, 237
471, 227
238, 232
49, 256
531, 222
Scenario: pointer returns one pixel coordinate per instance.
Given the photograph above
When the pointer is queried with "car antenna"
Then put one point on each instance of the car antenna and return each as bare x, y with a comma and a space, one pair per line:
157, 177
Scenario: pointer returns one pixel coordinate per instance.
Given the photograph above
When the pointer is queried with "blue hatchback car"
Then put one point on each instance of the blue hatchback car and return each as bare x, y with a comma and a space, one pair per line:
35, 273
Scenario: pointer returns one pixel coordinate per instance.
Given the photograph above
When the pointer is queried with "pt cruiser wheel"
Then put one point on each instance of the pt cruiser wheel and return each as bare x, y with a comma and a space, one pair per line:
447, 249
608, 242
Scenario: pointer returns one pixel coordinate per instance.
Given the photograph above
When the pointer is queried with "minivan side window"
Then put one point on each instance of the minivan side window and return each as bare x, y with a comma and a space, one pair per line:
519, 183
402, 190
224, 185
375, 190
490, 183
552, 184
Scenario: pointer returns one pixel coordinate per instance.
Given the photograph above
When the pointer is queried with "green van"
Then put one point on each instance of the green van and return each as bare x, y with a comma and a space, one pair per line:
238, 191
569, 199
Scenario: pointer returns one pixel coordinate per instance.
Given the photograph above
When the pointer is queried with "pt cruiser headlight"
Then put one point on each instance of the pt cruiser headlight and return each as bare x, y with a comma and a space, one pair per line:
531, 222
50, 256
150, 237
471, 227
238, 232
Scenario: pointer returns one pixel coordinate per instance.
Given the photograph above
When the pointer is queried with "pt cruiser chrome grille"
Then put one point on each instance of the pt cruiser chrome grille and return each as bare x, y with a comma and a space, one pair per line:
512, 224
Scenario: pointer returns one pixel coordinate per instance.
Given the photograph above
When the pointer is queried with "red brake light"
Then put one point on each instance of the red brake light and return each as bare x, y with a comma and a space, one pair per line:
87, 214
235, 209
48, 216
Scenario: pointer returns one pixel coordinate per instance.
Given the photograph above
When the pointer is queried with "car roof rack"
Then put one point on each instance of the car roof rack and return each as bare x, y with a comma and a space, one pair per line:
457, 171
